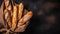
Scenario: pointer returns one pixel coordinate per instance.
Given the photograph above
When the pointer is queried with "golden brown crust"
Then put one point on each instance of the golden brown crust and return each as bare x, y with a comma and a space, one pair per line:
6, 3
22, 28
17, 20
25, 18
14, 17
7, 17
10, 9
20, 10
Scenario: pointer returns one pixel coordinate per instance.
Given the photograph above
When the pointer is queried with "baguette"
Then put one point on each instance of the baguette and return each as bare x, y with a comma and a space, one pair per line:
25, 18
14, 17
6, 3
10, 9
20, 11
7, 17
22, 28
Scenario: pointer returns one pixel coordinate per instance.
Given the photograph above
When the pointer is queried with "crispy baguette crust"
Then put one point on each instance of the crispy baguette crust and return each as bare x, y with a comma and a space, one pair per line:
17, 19
6, 3
7, 17
14, 17
25, 18
22, 28
20, 10
7, 12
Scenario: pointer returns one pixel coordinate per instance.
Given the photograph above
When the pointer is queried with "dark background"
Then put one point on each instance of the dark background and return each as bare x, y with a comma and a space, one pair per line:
39, 24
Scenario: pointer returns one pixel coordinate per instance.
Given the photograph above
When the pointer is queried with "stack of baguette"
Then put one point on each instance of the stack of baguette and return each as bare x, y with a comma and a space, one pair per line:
15, 15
